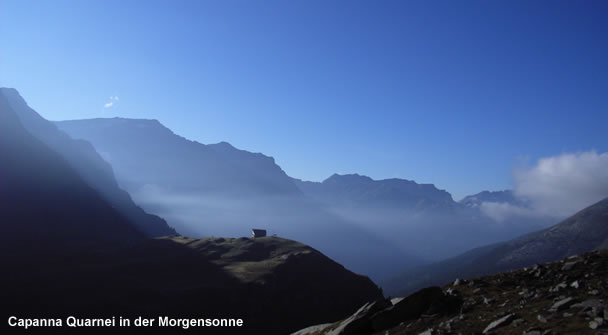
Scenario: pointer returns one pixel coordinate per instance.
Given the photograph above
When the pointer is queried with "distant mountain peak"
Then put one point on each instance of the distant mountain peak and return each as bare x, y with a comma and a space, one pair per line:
224, 144
503, 196
352, 177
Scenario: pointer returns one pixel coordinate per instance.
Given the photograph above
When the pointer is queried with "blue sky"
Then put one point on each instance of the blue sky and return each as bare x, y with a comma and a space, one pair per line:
455, 93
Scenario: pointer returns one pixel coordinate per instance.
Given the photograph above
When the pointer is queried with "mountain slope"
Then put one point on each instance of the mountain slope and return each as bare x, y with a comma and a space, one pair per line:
585, 231
83, 158
39, 187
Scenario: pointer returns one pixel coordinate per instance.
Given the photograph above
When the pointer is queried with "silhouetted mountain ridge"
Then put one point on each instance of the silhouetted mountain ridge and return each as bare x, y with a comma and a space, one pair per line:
83, 158
43, 200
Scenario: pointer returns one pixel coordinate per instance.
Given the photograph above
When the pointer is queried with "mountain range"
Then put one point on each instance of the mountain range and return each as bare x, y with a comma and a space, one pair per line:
402, 210
219, 190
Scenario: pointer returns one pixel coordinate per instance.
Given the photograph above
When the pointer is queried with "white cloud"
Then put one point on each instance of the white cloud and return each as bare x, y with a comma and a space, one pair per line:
554, 187
561, 185
113, 99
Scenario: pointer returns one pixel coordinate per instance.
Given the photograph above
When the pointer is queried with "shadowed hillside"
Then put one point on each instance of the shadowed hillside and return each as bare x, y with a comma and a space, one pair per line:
83, 158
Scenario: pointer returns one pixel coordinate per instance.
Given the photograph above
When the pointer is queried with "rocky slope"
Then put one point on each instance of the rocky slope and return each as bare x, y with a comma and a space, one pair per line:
565, 297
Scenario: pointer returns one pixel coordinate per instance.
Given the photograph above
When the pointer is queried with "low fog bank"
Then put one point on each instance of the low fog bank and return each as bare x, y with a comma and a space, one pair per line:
198, 214
434, 236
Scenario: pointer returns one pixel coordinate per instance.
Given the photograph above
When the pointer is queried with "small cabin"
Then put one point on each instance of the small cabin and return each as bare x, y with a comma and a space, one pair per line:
258, 233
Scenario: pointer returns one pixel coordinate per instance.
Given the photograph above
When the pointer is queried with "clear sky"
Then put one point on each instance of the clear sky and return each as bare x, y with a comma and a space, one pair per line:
455, 93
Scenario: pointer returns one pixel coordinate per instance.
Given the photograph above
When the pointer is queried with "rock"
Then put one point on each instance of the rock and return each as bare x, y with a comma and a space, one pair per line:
596, 323
428, 301
487, 301
541, 318
588, 304
594, 292
574, 284
505, 320
429, 331
394, 301
562, 304
517, 322
533, 331
359, 322
569, 265
558, 287
457, 282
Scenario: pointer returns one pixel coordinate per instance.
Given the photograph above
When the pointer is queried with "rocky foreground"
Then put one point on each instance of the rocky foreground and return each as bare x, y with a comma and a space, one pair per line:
565, 297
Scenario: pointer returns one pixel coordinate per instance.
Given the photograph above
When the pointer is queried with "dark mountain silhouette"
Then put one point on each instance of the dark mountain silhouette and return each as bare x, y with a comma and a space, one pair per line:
42, 198
83, 158
65, 251
218, 190
585, 231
